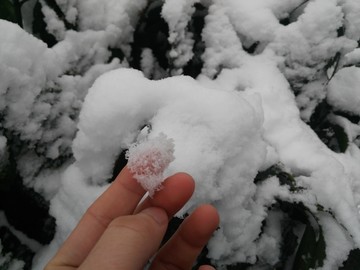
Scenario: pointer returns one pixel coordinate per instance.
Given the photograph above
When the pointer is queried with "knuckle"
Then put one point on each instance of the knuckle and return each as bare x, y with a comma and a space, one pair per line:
140, 225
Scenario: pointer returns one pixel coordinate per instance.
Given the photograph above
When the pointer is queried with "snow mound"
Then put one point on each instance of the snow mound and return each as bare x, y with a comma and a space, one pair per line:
148, 159
223, 132
344, 90
221, 156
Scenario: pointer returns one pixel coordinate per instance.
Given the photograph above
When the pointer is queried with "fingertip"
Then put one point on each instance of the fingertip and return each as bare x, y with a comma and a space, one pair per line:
185, 245
176, 191
207, 218
183, 178
198, 228
178, 181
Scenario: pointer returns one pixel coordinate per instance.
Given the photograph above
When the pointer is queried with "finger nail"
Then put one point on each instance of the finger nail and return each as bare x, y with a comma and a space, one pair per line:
158, 214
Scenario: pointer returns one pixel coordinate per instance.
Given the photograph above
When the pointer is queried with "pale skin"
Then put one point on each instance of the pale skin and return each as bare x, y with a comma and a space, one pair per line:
117, 232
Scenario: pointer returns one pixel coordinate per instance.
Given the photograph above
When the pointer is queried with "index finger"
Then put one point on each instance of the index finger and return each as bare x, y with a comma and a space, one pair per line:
121, 198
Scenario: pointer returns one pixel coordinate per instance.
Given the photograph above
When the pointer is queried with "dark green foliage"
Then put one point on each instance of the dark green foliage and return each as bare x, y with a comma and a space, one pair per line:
151, 32
353, 261
195, 26
10, 10
285, 178
54, 6
311, 247
27, 211
202, 259
264, 175
308, 250
355, 119
303, 251
7, 11
39, 27
11, 246
330, 133
333, 64
289, 242
174, 224
252, 48
119, 165
24, 208
289, 19
116, 53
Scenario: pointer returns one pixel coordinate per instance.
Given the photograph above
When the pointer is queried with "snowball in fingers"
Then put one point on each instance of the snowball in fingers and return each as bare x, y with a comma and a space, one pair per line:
148, 159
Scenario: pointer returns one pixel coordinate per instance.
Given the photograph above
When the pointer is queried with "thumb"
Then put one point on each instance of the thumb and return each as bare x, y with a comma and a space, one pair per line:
129, 241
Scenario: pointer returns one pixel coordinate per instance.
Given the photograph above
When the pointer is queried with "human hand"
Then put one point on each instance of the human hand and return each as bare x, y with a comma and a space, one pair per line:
117, 232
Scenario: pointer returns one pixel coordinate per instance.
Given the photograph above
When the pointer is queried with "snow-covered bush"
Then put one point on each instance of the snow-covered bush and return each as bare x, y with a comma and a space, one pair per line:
267, 121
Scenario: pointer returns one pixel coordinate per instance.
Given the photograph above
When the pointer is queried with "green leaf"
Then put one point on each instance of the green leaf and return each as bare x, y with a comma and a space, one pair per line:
353, 260
39, 26
311, 252
12, 246
266, 174
333, 65
342, 139
7, 11
285, 178
289, 243
329, 132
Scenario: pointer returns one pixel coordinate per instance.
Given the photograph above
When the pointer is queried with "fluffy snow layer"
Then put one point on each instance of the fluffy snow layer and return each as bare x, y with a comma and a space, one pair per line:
344, 90
238, 117
236, 130
180, 108
224, 154
290, 141
40, 100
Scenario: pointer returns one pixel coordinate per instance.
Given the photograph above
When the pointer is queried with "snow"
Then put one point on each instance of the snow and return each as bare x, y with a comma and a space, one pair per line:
344, 90
223, 47
147, 62
38, 100
310, 41
352, 57
352, 20
190, 110
73, 106
254, 18
54, 24
289, 135
178, 14
338, 245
